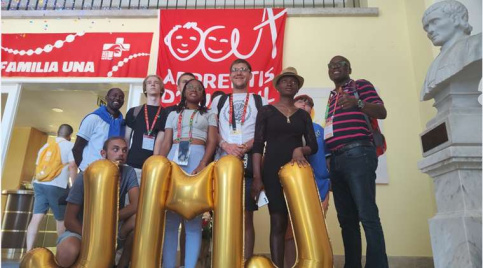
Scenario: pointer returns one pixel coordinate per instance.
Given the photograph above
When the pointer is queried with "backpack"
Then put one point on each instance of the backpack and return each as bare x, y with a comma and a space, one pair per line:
50, 163
373, 125
257, 98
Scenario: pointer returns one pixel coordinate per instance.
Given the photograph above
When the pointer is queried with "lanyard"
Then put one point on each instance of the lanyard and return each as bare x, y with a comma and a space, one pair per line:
150, 130
190, 133
333, 109
232, 113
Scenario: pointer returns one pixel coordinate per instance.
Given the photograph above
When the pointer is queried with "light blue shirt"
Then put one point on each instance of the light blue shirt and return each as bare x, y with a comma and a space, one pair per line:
95, 131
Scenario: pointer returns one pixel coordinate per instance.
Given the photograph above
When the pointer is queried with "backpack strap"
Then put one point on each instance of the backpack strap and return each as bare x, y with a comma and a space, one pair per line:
221, 103
137, 109
356, 94
257, 98
258, 101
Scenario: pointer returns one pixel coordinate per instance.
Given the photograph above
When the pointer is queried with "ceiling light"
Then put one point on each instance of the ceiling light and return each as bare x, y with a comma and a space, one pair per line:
57, 110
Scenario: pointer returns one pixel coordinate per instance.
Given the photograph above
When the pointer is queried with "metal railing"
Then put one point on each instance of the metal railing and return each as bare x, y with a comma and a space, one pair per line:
170, 4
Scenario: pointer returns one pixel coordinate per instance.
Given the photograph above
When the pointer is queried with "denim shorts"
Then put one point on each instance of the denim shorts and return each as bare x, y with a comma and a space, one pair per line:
48, 196
68, 234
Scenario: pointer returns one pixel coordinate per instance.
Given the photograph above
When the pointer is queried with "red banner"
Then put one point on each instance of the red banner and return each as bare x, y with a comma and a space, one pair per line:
205, 42
76, 55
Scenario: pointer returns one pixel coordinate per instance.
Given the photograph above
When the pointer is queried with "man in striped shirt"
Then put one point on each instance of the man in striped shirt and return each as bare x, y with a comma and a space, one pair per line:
353, 163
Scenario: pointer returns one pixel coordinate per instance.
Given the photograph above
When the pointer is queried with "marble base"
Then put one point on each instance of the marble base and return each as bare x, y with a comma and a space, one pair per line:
456, 239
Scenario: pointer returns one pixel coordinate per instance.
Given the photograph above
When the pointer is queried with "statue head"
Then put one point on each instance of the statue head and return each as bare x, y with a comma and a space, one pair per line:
446, 22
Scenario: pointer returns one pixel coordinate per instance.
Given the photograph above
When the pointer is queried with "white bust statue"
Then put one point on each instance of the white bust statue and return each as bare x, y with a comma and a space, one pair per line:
446, 24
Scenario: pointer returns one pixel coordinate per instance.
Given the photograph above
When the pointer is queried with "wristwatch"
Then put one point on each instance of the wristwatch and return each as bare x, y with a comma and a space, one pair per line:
360, 104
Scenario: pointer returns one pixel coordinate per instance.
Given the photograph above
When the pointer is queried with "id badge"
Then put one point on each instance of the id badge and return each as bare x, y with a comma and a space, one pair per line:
328, 129
148, 142
182, 155
236, 135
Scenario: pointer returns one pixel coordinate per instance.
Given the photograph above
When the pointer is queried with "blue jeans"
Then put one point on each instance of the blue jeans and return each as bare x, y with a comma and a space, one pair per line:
353, 175
193, 240
192, 227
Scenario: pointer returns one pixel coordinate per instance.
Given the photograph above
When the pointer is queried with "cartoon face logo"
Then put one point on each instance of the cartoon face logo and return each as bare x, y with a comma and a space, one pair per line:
184, 42
216, 44
238, 107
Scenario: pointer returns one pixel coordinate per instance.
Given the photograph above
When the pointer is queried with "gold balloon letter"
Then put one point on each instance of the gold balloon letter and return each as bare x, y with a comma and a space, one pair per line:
310, 232
99, 229
218, 187
166, 186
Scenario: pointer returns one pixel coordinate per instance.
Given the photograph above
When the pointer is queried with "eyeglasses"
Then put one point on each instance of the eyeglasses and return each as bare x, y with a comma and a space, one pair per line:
242, 69
191, 88
339, 64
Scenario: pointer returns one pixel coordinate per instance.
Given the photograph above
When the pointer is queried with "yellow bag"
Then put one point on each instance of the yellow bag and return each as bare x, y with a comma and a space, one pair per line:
50, 163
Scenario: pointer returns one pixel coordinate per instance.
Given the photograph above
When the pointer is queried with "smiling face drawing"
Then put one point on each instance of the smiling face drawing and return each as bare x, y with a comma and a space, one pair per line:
216, 43
184, 42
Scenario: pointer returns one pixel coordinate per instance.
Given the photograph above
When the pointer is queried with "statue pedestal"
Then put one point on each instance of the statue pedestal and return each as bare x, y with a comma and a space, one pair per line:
452, 157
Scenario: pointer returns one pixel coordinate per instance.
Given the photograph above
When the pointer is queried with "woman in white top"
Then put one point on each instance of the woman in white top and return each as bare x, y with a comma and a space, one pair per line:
189, 140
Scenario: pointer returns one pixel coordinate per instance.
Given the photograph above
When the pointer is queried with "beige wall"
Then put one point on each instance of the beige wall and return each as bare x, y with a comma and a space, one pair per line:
21, 156
391, 51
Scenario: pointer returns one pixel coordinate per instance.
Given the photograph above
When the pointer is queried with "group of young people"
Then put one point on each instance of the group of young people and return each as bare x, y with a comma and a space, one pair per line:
265, 137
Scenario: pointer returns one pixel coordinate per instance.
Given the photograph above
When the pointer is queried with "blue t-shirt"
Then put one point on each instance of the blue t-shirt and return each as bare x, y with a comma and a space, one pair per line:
317, 161
128, 181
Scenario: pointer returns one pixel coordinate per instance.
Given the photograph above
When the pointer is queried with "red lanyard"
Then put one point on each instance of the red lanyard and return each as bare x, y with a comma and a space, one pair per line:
190, 133
333, 109
232, 116
150, 130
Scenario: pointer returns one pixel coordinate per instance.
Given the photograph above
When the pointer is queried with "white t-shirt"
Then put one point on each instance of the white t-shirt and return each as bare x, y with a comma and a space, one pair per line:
248, 128
66, 157
95, 131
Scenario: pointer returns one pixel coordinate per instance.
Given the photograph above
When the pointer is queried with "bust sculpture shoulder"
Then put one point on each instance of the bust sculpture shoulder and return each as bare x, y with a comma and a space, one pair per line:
446, 24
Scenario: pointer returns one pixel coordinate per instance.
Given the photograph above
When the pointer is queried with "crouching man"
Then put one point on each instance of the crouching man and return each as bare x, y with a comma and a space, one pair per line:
69, 243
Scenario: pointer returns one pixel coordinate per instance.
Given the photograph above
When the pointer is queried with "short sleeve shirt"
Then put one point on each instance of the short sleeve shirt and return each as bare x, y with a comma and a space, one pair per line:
248, 128
95, 131
201, 122
66, 157
350, 125
137, 155
128, 181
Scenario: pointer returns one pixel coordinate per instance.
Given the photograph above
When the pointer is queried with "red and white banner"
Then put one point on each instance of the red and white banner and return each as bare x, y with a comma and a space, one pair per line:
206, 42
76, 54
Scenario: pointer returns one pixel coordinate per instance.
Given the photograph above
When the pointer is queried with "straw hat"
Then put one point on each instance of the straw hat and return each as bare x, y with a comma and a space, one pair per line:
289, 71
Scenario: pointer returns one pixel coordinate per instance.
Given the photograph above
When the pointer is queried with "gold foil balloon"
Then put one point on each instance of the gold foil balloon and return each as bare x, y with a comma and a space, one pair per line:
101, 209
165, 185
38, 257
228, 216
150, 216
190, 195
310, 232
259, 262
99, 229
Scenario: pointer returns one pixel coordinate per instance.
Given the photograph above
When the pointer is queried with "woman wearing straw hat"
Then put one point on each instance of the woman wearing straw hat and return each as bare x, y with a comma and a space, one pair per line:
282, 127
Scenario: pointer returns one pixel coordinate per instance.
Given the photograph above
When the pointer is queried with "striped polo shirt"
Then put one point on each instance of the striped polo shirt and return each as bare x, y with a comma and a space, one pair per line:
349, 124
